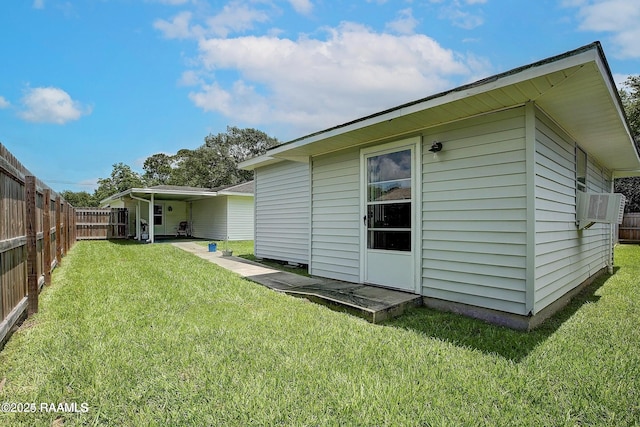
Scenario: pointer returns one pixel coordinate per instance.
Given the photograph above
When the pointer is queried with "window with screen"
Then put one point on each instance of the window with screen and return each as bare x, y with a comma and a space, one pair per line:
157, 214
581, 169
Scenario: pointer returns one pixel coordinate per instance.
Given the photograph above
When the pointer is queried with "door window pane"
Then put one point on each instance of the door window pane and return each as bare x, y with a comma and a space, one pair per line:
390, 190
390, 240
389, 167
157, 214
391, 215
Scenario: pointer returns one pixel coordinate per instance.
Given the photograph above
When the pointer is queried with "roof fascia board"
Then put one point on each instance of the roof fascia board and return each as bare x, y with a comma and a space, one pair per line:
174, 192
138, 192
120, 195
262, 160
234, 193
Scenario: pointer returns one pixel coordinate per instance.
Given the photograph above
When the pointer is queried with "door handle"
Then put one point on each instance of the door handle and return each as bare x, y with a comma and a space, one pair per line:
364, 220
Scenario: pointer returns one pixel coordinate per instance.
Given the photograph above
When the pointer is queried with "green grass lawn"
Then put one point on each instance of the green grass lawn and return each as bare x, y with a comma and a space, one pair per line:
151, 335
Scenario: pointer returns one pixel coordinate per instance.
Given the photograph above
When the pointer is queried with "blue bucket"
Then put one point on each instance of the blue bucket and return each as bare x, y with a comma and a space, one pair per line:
213, 247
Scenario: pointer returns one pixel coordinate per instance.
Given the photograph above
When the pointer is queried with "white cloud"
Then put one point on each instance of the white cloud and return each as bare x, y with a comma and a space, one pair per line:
38, 4
461, 18
178, 28
405, 23
51, 105
4, 103
190, 78
234, 17
618, 17
312, 83
302, 6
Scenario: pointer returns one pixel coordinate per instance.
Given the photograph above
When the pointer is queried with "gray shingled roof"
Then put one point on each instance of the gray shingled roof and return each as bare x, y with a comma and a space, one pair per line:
246, 187
178, 188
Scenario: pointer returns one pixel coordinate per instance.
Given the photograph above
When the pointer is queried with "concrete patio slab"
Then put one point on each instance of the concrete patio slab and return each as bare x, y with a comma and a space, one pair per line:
372, 303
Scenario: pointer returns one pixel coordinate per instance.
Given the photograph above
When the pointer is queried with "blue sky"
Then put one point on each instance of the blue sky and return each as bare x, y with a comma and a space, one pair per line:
85, 84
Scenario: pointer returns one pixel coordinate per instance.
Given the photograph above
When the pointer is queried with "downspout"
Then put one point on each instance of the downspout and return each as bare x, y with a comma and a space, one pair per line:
610, 261
138, 231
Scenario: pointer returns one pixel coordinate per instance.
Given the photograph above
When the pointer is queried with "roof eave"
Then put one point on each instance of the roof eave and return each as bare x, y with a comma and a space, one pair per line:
234, 193
258, 161
141, 192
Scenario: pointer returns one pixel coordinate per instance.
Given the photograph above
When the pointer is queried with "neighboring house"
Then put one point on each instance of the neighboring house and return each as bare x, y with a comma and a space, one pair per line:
469, 197
215, 214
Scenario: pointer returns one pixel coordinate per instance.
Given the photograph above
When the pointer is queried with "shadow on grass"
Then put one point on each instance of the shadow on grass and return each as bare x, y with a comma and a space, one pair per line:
277, 265
477, 334
127, 242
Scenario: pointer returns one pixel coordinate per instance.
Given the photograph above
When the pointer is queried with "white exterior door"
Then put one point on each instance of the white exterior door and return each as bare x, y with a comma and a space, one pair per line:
389, 216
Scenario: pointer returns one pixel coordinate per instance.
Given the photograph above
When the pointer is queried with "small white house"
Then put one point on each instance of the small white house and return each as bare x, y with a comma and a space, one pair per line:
487, 199
214, 214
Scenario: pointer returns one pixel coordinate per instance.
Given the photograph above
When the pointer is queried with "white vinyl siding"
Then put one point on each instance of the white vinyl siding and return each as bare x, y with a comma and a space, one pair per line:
173, 217
210, 218
474, 220
240, 217
336, 222
565, 256
282, 212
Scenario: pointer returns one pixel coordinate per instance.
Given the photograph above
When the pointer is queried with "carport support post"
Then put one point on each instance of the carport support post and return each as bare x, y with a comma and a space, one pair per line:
151, 220
138, 231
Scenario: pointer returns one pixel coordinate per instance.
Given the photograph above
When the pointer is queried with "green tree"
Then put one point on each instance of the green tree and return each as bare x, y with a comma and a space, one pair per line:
631, 102
122, 178
79, 199
630, 97
192, 168
228, 149
215, 163
158, 169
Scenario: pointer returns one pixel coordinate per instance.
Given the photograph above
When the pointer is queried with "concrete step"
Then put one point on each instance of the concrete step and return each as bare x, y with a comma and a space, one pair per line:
372, 303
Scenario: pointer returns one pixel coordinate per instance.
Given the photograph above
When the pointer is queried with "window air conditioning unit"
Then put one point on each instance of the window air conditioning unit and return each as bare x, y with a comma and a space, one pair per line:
606, 208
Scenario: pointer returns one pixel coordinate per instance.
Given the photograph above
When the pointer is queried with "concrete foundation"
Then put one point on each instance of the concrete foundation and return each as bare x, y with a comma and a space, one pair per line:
514, 321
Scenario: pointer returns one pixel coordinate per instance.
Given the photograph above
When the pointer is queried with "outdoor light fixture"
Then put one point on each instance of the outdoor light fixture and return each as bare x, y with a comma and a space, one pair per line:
435, 147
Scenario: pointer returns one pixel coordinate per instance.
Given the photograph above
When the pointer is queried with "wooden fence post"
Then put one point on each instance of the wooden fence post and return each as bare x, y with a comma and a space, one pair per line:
32, 249
58, 231
72, 229
66, 227
46, 233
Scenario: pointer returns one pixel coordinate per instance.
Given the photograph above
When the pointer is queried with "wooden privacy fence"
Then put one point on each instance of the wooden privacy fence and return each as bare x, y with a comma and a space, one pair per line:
102, 223
629, 230
37, 227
